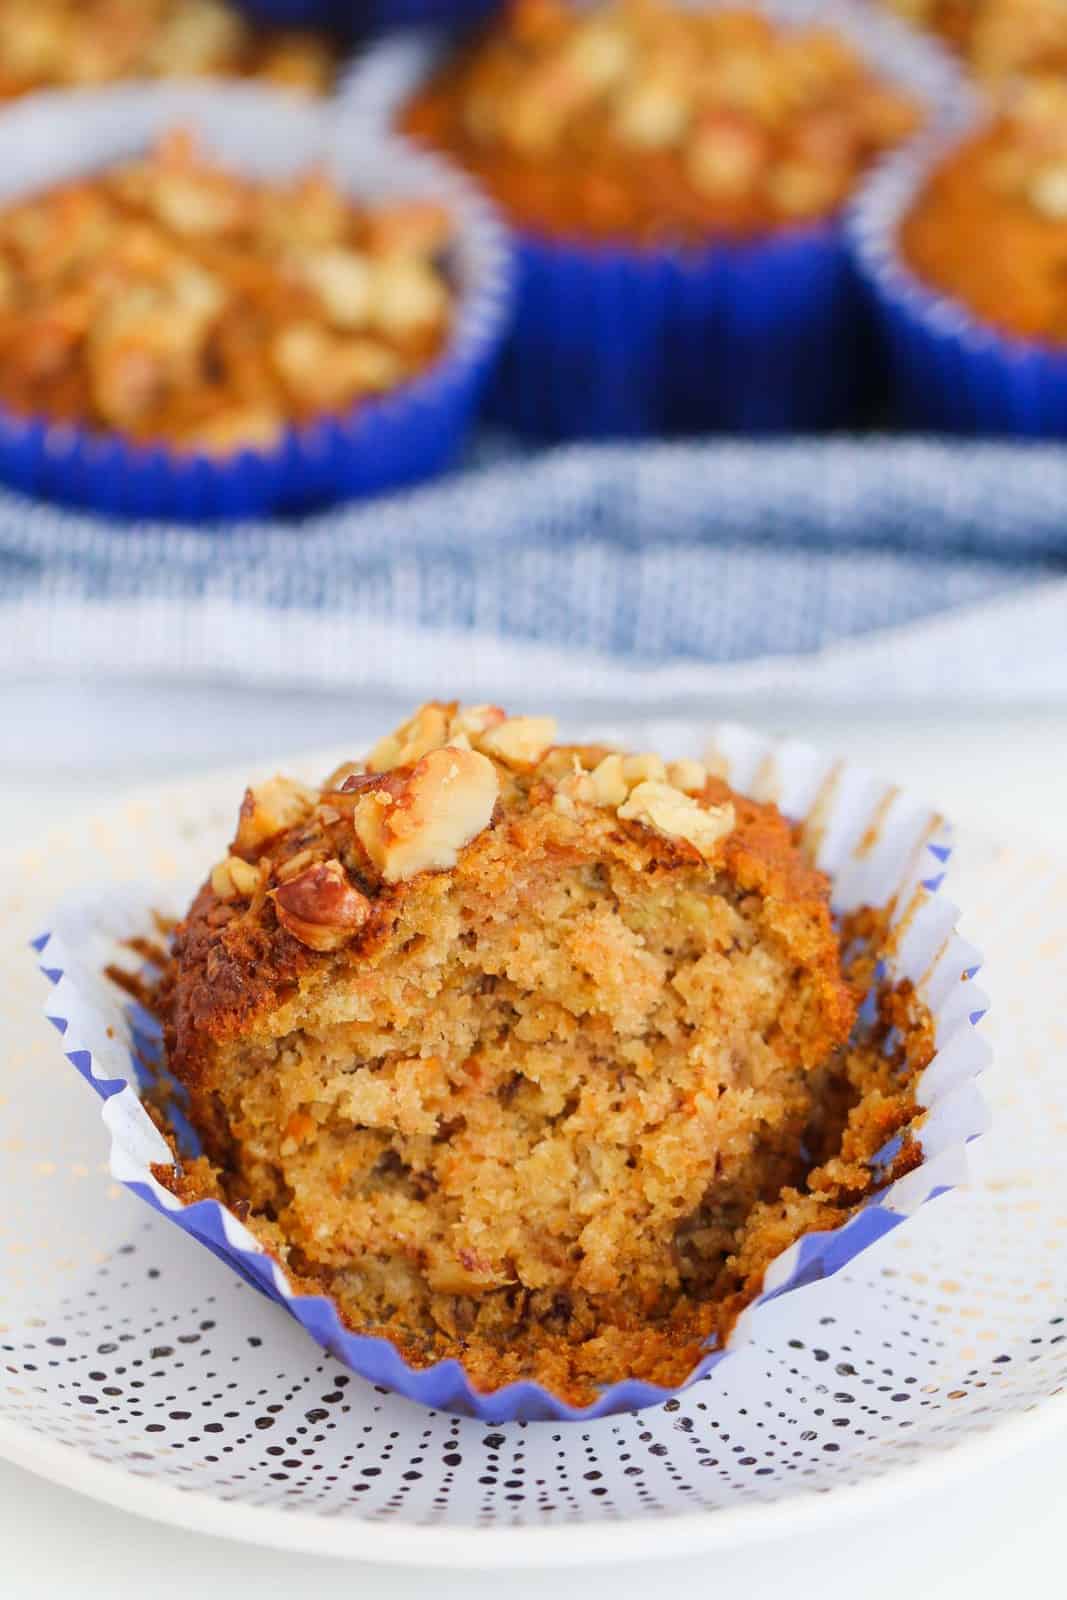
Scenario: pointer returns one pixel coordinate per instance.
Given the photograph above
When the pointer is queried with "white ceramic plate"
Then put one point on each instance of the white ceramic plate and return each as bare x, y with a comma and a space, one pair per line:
138, 1370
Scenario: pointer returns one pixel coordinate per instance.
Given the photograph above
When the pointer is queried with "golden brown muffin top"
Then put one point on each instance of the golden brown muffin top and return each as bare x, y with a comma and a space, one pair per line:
171, 301
67, 43
316, 877
989, 228
645, 121
997, 38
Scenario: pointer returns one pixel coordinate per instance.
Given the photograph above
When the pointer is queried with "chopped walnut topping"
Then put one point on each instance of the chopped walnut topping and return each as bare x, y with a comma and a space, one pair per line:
437, 723
689, 776
421, 822
321, 907
636, 769
270, 808
176, 302
653, 118
427, 730
295, 865
234, 879
520, 741
678, 816
60, 43
475, 720
610, 787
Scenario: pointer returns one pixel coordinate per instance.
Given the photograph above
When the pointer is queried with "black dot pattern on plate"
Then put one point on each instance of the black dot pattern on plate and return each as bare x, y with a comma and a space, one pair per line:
219, 1390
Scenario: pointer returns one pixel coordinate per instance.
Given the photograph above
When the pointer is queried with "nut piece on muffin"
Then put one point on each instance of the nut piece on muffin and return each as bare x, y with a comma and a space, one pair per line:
172, 302
67, 43
651, 122
989, 226
519, 1050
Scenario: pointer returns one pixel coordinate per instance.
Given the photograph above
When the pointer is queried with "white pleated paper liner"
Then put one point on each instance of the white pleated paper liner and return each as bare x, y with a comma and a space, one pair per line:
879, 848
950, 371
758, 336
409, 434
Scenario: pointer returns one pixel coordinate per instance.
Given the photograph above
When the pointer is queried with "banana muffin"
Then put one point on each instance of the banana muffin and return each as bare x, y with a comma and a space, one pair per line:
998, 39
169, 301
527, 1054
48, 44
649, 122
989, 226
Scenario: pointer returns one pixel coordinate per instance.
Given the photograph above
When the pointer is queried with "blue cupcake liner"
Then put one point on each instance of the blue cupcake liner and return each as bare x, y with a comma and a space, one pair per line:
403, 437
763, 337
879, 848
759, 338
346, 17
949, 372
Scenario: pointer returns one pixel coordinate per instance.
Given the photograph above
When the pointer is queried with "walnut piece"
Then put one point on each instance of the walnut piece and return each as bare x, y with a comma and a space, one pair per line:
678, 816
270, 808
234, 879
610, 788
427, 730
689, 776
476, 720
321, 907
520, 741
420, 823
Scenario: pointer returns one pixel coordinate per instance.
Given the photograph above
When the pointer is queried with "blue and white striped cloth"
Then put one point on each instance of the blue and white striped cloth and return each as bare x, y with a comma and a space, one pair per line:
897, 567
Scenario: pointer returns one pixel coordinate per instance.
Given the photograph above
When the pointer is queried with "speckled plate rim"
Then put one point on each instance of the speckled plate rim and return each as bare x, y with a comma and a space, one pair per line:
502, 1548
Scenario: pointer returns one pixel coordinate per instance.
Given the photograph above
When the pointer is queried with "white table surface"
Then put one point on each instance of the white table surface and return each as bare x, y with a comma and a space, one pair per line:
997, 1531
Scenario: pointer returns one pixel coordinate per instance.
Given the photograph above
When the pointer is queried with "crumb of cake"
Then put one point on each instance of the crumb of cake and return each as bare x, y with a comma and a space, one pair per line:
547, 1090
650, 121
67, 43
987, 228
171, 301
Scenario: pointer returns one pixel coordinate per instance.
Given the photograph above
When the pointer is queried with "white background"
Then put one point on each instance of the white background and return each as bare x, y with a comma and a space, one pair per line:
997, 1531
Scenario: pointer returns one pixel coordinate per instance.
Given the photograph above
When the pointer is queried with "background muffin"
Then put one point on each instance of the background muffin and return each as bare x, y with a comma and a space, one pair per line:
177, 303
55, 43
644, 124
996, 38
965, 248
267, 327
674, 175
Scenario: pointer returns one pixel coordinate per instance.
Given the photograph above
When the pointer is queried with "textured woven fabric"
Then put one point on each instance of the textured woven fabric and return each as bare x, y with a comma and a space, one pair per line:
692, 560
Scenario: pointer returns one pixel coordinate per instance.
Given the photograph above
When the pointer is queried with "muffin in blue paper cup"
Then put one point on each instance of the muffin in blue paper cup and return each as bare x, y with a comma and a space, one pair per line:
522, 1074
675, 175
218, 307
961, 243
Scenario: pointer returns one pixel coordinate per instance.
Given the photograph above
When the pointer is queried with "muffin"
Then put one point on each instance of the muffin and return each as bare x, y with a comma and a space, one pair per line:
998, 39
263, 330
965, 250
532, 1055
989, 226
675, 176
643, 123
177, 303
67, 43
